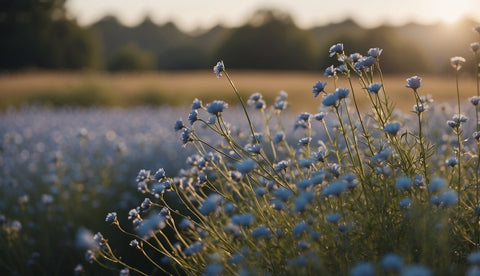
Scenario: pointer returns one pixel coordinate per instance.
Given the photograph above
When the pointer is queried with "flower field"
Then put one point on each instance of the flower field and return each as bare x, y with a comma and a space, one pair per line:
249, 187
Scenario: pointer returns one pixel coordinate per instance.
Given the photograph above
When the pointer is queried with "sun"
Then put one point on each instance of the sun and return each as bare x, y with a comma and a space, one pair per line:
449, 11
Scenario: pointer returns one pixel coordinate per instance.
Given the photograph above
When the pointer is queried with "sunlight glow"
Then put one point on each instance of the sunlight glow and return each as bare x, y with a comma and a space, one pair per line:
449, 11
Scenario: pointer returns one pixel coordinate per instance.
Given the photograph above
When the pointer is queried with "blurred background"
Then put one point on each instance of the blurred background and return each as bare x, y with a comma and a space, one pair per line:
124, 53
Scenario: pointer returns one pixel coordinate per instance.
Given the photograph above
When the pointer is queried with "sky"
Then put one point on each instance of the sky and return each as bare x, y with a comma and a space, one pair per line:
190, 15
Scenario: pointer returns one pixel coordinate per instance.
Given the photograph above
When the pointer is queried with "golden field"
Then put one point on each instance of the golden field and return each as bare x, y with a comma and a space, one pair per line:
180, 88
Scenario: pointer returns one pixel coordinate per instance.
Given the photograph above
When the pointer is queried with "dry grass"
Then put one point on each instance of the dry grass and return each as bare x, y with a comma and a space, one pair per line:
178, 88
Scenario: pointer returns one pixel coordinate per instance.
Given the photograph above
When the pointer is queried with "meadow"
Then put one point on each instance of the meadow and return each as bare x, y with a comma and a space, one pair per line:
344, 173
178, 88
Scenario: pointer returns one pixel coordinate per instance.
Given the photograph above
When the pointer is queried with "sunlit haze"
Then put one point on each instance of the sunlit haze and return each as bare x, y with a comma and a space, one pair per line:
194, 14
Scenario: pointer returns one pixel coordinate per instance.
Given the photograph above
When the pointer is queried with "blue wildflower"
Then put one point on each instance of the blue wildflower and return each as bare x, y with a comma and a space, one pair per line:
448, 198
246, 166
211, 204
302, 245
334, 189
255, 97
351, 180
135, 244
283, 193
194, 248
414, 83
306, 162
374, 88
319, 116
279, 136
260, 191
355, 57
260, 104
319, 87
299, 229
475, 100
333, 218
216, 107
179, 125
193, 116
280, 105
335, 169
382, 155
261, 232
418, 180
196, 104
363, 269
403, 183
89, 256
391, 261
436, 184
111, 217
341, 93
243, 219
212, 120
219, 68
229, 207
124, 272
159, 174
452, 162
305, 141
336, 49
281, 165
186, 136
474, 258
303, 200
330, 100
186, 224
304, 183
254, 149
304, 116
457, 62
213, 270
405, 203
392, 128
146, 203
330, 71
375, 52
475, 46
148, 226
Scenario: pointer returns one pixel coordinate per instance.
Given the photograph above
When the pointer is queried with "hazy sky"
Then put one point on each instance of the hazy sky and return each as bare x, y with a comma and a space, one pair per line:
193, 14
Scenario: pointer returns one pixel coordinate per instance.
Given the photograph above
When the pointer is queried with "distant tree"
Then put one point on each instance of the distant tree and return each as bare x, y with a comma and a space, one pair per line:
40, 34
270, 41
130, 57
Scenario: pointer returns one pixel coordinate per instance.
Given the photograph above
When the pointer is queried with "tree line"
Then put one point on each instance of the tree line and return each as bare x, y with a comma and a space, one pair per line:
40, 34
